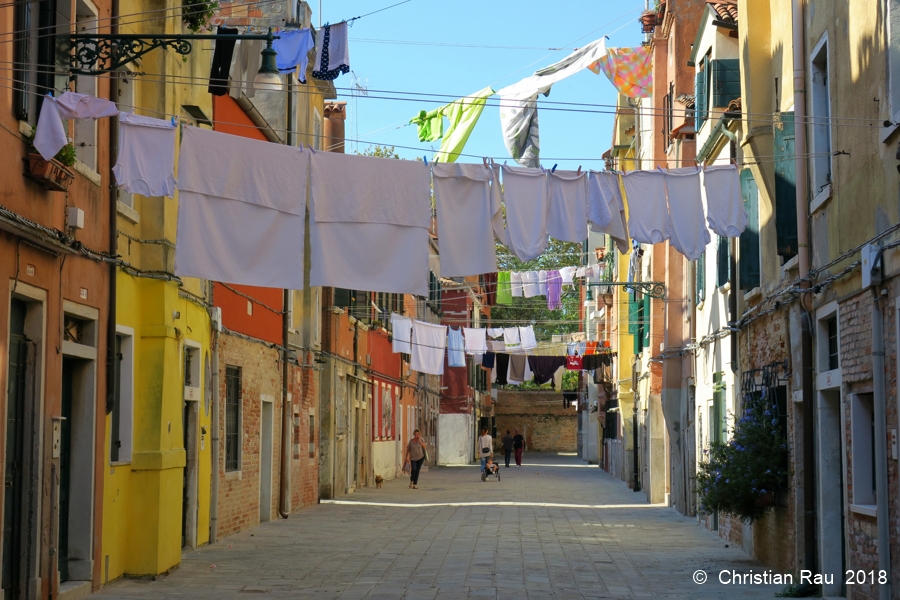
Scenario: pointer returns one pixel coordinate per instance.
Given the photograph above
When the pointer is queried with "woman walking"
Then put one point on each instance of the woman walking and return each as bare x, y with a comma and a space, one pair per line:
415, 456
485, 449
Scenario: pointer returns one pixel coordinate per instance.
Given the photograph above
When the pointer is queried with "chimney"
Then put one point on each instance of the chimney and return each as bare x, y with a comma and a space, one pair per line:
335, 115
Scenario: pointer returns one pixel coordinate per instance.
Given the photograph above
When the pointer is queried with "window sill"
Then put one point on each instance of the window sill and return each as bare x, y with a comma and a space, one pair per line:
864, 509
127, 212
92, 175
233, 475
120, 463
820, 199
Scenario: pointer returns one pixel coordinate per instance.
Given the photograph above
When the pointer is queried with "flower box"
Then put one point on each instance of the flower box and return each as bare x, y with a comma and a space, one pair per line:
50, 174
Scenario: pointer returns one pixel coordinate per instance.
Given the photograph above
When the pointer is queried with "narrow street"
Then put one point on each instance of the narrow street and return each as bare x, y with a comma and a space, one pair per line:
554, 528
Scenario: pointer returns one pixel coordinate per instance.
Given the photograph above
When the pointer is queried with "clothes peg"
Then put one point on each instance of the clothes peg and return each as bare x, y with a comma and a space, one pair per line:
174, 121
579, 169
425, 158
553, 170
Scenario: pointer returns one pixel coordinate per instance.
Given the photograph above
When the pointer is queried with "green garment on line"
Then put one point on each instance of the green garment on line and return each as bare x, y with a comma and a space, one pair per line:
504, 290
430, 124
462, 114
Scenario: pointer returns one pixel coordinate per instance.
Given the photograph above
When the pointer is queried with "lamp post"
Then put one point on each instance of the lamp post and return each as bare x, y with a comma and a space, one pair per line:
114, 50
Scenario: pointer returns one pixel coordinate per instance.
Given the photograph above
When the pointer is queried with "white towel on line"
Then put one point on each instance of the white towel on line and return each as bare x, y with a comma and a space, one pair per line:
531, 287
428, 344
526, 335
689, 233
516, 283
146, 161
476, 340
401, 333
511, 338
527, 204
567, 216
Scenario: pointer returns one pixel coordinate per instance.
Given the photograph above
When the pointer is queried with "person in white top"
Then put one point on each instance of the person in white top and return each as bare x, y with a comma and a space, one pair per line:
485, 449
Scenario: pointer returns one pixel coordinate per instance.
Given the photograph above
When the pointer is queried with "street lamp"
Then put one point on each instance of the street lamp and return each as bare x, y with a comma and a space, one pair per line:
268, 78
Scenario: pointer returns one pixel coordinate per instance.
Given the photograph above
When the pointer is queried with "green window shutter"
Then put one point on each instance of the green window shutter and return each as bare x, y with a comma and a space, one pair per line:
723, 262
634, 309
749, 242
718, 419
645, 322
785, 187
700, 101
341, 297
700, 277
726, 81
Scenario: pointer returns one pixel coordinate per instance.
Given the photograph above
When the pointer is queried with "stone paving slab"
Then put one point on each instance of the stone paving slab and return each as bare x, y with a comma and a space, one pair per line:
555, 528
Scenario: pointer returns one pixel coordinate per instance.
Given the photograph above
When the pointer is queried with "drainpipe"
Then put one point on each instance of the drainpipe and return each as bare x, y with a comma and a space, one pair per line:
113, 235
802, 207
284, 507
882, 514
214, 431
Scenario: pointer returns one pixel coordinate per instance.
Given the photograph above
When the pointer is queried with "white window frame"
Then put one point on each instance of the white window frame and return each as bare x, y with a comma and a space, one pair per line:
862, 414
821, 132
85, 21
126, 396
827, 378
193, 393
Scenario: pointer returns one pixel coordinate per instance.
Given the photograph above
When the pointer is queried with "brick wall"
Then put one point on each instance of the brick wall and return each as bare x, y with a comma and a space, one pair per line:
540, 416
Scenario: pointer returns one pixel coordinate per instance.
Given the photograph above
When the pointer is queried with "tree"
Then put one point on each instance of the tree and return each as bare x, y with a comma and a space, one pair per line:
379, 151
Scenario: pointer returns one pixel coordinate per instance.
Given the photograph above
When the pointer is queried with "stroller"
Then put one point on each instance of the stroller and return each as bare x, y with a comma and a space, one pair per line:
491, 469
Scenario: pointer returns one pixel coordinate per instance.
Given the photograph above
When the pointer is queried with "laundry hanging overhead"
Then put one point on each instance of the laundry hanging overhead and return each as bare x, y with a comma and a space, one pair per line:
724, 206
241, 210
221, 61
629, 69
429, 124
648, 213
332, 52
292, 48
73, 105
527, 202
605, 205
518, 102
567, 216
428, 344
50, 133
462, 115
146, 162
689, 233
244, 67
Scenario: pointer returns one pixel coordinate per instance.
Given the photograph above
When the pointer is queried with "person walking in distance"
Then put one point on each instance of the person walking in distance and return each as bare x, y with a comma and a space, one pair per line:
415, 455
485, 449
507, 441
519, 447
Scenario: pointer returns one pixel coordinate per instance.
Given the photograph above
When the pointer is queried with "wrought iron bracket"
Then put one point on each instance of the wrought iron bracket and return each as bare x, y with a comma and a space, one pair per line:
654, 289
98, 53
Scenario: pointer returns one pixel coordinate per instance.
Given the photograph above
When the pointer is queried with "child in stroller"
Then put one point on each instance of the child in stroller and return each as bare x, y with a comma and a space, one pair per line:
490, 468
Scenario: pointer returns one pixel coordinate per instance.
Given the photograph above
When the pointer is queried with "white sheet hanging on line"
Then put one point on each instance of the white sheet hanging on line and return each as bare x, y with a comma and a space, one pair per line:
369, 221
401, 332
648, 214
476, 340
567, 217
497, 222
511, 338
146, 161
465, 212
49, 134
530, 284
542, 283
516, 286
456, 348
527, 204
606, 210
241, 210
689, 233
428, 344
526, 335
724, 207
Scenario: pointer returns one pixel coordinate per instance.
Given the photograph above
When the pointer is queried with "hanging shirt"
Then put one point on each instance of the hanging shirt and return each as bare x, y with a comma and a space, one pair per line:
244, 68
332, 52
401, 331
527, 202
495, 332
526, 335
504, 291
515, 282
369, 231
428, 344
221, 62
629, 69
49, 134
567, 275
502, 368
542, 283
429, 124
476, 340
648, 213
462, 115
606, 210
487, 360
689, 233
462, 196
573, 363
511, 338
724, 207
544, 367
293, 48
554, 290
567, 218
232, 189
530, 285
456, 355
72, 105
146, 157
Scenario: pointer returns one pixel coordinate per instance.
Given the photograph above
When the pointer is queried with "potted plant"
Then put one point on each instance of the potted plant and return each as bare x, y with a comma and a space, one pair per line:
198, 14
739, 477
648, 21
52, 174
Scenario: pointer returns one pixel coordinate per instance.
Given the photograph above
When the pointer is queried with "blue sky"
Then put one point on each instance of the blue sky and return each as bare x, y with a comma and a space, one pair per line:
459, 71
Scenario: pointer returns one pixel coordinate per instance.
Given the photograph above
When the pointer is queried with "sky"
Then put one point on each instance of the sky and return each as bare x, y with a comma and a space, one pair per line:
569, 138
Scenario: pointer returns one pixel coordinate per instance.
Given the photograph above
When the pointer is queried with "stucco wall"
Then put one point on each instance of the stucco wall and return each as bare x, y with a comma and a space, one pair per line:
455, 439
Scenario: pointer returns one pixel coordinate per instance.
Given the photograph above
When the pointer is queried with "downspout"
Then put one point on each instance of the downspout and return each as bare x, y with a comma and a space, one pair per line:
284, 507
882, 514
806, 376
214, 430
113, 233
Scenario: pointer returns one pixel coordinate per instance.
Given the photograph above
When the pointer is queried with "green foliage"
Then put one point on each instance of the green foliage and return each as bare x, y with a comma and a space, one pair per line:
198, 14
737, 477
66, 155
569, 383
379, 151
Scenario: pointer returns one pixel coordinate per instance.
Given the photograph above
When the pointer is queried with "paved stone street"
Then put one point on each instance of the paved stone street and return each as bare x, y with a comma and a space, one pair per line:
554, 528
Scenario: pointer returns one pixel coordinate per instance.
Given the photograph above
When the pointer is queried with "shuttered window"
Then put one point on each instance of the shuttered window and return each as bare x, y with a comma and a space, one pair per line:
726, 81
701, 105
700, 277
723, 262
785, 187
749, 242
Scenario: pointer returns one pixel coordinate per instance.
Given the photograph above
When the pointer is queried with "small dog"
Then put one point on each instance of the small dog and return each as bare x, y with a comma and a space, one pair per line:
379, 481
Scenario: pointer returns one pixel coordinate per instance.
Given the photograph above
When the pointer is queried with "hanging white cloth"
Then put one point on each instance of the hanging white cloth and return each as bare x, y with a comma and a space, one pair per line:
236, 224
401, 332
428, 344
244, 68
526, 335
50, 134
567, 217
542, 283
605, 205
495, 331
476, 340
456, 349
497, 222
568, 274
689, 233
516, 286
648, 214
511, 338
146, 156
527, 204
465, 212
724, 207
369, 221
530, 284
73, 105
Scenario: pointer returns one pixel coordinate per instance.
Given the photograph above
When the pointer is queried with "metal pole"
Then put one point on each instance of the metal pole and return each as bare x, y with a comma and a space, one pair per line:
284, 508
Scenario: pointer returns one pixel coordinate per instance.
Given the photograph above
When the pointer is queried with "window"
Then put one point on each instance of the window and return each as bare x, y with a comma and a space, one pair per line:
892, 9
86, 129
41, 63
862, 440
312, 436
700, 97
820, 125
726, 81
358, 304
232, 418
723, 261
121, 417
700, 277
785, 187
669, 113
718, 417
831, 328
749, 240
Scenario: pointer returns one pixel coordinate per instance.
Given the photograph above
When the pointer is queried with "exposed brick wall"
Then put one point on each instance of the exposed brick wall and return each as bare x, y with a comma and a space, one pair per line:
540, 416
